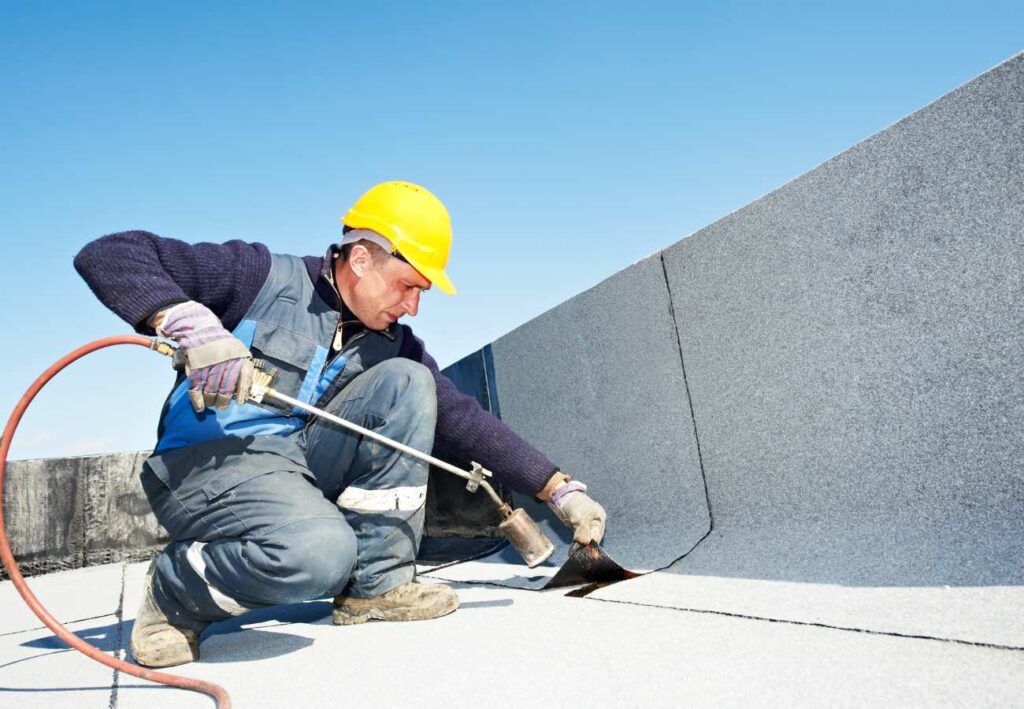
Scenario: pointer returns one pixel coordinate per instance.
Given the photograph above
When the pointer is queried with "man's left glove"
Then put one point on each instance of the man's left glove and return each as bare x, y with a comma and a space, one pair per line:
218, 365
571, 504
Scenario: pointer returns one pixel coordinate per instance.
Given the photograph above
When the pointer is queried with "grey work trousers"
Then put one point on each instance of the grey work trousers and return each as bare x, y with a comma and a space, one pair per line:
325, 511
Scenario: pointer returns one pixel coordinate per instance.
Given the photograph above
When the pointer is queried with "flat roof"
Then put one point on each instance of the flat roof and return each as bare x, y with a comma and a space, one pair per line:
508, 646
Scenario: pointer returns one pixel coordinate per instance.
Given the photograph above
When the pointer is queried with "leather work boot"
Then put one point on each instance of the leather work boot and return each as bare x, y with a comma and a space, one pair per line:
157, 643
410, 601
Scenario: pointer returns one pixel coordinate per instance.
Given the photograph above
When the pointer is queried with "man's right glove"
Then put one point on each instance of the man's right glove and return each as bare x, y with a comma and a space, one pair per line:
218, 365
571, 504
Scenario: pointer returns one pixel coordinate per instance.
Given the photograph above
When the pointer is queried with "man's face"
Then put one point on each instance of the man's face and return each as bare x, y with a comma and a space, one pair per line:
385, 292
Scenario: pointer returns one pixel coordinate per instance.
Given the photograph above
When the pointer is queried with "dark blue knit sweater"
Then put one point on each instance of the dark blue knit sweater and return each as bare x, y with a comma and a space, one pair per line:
136, 274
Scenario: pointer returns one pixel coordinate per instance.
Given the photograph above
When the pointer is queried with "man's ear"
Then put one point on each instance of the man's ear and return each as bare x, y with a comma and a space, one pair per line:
359, 260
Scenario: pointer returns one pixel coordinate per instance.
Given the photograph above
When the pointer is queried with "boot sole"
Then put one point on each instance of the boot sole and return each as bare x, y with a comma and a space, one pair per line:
354, 616
157, 660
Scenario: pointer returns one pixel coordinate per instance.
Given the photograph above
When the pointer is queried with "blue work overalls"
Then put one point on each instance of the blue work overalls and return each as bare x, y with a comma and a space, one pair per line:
266, 506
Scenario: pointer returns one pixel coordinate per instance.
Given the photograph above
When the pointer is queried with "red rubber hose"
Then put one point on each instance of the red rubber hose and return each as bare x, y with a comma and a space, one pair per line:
218, 693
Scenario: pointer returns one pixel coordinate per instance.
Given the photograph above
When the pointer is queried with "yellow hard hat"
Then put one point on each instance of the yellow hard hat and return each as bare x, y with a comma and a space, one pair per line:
414, 221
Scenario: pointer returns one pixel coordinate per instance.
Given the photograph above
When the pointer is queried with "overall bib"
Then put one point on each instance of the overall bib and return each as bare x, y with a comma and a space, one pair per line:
266, 506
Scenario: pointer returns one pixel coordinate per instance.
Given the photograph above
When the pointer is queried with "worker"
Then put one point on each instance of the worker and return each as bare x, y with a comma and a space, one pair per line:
265, 505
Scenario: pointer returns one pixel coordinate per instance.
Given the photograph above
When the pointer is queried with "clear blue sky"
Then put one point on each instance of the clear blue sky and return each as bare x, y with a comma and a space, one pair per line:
568, 139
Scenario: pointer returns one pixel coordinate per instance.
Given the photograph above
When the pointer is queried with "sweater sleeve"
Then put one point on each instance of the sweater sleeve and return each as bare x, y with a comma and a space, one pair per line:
467, 432
136, 274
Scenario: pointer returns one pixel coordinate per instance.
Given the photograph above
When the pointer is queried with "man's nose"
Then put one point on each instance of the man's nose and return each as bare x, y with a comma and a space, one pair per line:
412, 302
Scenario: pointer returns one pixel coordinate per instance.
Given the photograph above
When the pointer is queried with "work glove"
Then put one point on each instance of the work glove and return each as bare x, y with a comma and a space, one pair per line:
571, 504
217, 364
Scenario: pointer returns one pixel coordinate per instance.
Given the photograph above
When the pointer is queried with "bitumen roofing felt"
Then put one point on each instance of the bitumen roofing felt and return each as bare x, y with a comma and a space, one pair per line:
506, 646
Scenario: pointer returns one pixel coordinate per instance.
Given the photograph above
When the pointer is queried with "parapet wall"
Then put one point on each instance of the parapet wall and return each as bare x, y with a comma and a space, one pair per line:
63, 513
854, 343
840, 362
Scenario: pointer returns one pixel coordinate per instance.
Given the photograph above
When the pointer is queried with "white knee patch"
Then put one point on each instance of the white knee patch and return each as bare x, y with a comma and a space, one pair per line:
405, 499
194, 555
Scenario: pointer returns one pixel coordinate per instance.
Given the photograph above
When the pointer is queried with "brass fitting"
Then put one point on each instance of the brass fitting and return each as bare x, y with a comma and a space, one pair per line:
261, 381
163, 348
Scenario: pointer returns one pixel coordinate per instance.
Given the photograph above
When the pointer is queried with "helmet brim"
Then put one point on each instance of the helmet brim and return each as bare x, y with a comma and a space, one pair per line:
437, 277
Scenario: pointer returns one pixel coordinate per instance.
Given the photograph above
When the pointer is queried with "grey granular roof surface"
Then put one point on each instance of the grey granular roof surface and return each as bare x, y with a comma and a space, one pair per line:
506, 647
